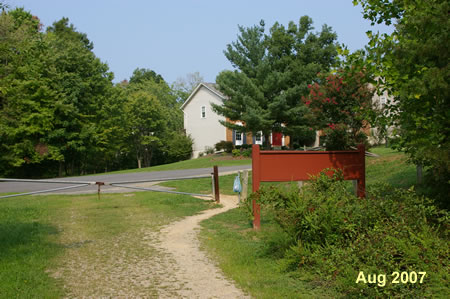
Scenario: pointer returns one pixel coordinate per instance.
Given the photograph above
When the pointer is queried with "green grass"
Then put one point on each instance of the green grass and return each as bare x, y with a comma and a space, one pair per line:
202, 162
204, 186
41, 235
391, 167
250, 258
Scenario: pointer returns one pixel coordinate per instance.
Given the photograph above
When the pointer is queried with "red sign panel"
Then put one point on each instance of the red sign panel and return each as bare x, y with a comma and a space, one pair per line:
288, 166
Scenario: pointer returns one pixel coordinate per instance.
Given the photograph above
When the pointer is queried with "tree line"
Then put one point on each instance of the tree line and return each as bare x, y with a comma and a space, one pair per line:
61, 114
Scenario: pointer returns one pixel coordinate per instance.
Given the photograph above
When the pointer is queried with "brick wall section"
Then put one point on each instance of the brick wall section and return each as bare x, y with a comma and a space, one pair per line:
229, 134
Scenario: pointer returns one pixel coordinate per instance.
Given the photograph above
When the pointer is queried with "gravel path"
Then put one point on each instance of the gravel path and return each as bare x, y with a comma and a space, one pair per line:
193, 273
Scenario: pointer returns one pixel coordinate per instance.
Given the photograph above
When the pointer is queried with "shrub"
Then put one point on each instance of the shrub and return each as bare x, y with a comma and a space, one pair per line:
247, 152
209, 150
176, 147
236, 152
226, 146
338, 137
303, 137
336, 235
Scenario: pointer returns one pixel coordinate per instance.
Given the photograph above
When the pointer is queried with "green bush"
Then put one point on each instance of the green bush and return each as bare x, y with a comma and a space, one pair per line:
226, 146
209, 150
177, 147
336, 235
303, 137
339, 138
247, 153
236, 152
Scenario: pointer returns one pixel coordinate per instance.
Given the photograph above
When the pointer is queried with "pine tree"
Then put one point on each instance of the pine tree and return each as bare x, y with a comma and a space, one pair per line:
272, 73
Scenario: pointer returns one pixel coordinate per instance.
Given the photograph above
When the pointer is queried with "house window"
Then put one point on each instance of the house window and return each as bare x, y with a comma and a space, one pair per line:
203, 111
258, 138
238, 140
238, 136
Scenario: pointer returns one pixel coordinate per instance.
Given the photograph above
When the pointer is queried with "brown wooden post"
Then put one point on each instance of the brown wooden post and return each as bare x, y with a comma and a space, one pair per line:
256, 177
362, 171
216, 184
98, 191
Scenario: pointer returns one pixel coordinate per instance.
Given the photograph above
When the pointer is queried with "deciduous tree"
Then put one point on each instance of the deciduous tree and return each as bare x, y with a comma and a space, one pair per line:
184, 86
414, 62
341, 104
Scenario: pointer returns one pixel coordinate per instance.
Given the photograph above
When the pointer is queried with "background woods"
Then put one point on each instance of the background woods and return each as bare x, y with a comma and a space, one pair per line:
60, 113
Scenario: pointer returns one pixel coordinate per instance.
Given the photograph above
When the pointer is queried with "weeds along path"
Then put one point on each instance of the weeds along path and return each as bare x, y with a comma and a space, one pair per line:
193, 274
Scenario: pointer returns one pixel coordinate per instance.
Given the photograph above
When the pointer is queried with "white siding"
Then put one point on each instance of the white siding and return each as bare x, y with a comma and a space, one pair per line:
205, 132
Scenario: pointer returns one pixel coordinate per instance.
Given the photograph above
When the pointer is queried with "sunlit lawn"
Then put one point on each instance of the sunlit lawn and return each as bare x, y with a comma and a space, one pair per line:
36, 232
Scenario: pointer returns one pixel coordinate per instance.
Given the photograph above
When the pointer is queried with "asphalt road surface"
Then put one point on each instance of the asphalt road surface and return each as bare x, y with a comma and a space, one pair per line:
16, 187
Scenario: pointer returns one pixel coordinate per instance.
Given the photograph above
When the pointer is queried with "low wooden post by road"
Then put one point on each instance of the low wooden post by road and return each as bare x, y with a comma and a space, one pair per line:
99, 184
216, 184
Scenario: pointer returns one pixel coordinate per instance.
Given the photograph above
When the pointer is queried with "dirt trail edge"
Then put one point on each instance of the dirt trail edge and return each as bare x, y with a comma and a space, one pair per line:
193, 273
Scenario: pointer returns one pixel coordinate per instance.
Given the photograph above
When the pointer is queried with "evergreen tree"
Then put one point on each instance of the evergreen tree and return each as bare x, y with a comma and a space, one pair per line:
272, 72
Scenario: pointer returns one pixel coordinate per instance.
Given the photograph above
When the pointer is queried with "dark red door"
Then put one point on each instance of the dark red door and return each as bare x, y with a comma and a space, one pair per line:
277, 139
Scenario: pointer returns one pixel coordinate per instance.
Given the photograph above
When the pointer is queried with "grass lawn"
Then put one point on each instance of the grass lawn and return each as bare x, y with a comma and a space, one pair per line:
40, 237
248, 257
391, 167
204, 186
202, 162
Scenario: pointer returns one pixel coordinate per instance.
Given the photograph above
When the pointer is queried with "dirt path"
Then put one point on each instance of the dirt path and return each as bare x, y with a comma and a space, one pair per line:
193, 273
144, 262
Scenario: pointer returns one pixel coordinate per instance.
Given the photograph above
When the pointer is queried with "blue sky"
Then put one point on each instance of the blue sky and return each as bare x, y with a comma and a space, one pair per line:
176, 37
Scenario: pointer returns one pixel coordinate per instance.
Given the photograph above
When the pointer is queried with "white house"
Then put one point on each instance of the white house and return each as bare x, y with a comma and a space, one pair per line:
200, 121
203, 124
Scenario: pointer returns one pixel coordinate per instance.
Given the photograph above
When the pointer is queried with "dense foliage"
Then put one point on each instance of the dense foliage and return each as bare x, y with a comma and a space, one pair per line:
60, 113
414, 62
272, 72
336, 235
341, 106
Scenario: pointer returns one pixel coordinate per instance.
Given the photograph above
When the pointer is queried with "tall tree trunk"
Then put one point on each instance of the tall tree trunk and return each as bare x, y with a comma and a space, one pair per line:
139, 163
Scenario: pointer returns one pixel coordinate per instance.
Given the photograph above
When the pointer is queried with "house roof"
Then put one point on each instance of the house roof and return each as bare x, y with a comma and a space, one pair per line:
210, 86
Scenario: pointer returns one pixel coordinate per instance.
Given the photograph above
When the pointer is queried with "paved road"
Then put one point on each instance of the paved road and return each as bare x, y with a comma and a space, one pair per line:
6, 187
